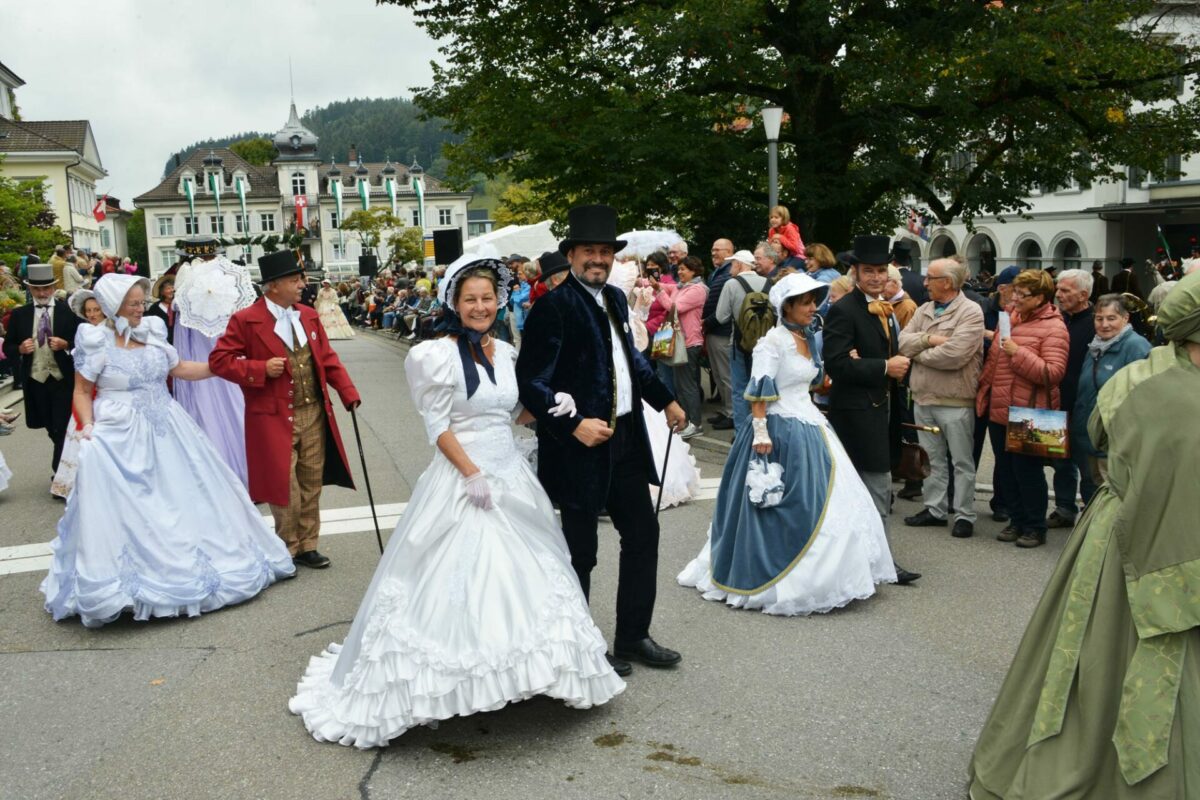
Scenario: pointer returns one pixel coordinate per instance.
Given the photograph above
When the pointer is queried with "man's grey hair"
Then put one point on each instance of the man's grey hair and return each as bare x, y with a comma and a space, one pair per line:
679, 247
770, 251
1082, 279
955, 270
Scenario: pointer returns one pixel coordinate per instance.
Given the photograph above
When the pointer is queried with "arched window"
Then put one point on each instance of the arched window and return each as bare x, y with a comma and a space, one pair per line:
1029, 253
299, 185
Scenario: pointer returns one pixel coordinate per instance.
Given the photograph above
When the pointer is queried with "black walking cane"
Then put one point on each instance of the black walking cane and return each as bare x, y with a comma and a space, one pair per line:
366, 479
662, 474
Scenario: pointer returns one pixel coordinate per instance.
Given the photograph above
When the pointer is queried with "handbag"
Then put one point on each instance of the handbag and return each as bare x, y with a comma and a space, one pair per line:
1040, 432
914, 462
669, 345
764, 482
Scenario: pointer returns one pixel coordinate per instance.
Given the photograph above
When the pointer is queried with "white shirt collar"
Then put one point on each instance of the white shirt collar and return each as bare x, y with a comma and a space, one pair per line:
284, 317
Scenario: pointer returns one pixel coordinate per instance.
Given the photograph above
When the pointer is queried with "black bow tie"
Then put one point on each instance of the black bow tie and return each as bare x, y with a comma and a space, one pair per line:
39, 305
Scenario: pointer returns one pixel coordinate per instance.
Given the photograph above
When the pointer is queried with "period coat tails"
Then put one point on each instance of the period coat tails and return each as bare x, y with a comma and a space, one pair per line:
48, 376
276, 407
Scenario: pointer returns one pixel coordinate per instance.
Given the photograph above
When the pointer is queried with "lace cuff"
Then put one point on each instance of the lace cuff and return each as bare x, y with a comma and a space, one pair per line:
761, 390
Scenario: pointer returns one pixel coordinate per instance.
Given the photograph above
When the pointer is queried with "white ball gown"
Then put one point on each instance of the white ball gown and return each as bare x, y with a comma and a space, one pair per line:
824, 545
5, 474
332, 318
157, 523
469, 609
681, 479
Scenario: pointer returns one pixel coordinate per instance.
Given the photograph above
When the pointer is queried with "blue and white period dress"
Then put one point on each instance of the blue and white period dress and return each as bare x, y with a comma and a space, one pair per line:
157, 523
470, 609
823, 546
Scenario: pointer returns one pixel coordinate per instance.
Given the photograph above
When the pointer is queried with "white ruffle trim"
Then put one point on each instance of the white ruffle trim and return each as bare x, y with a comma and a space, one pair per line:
405, 688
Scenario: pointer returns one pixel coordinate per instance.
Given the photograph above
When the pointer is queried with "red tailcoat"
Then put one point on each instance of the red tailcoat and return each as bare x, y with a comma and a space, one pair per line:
240, 356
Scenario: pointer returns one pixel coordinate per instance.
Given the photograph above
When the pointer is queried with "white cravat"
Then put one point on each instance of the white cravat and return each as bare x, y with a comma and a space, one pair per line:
286, 318
620, 361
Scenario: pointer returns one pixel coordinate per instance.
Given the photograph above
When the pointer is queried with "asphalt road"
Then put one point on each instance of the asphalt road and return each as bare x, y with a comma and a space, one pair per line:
882, 699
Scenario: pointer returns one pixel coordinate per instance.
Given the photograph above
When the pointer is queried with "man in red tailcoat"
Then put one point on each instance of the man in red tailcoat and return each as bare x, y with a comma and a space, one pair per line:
277, 351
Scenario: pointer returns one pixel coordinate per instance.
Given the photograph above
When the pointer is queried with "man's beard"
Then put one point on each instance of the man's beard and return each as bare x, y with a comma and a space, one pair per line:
592, 282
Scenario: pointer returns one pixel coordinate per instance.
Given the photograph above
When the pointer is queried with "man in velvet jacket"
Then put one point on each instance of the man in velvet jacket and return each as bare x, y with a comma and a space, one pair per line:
577, 340
862, 357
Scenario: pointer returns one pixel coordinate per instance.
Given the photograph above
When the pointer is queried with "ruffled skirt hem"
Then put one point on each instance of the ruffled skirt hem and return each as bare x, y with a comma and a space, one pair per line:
403, 690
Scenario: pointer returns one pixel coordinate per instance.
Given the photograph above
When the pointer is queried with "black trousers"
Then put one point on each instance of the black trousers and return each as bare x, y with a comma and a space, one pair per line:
632, 514
48, 405
1023, 483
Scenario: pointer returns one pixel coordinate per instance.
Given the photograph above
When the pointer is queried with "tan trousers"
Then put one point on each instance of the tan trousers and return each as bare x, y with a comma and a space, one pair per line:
299, 522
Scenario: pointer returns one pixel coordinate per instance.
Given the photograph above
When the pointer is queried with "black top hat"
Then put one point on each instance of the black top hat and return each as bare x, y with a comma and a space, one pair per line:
552, 262
40, 275
279, 264
201, 246
1127, 262
846, 258
871, 250
902, 253
591, 225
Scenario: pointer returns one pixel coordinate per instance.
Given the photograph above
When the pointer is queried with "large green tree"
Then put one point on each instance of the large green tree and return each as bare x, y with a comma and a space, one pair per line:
653, 104
135, 234
258, 150
26, 220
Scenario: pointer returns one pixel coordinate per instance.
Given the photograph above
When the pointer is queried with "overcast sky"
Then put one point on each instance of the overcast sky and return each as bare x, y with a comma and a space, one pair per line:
141, 73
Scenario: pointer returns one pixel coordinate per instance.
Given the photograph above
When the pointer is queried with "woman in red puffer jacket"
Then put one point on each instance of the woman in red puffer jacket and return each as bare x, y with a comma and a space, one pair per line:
1016, 373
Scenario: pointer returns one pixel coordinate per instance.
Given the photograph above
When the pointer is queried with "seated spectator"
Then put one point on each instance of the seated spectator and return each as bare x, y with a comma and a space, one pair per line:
784, 233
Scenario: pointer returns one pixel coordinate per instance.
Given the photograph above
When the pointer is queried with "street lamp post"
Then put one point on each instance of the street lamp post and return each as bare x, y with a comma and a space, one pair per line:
772, 117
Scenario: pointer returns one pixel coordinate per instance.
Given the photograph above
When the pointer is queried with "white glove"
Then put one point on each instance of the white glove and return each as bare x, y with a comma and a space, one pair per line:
760, 431
565, 407
478, 491
86, 432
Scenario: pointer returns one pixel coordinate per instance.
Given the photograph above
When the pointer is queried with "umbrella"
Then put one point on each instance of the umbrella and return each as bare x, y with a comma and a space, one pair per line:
640, 244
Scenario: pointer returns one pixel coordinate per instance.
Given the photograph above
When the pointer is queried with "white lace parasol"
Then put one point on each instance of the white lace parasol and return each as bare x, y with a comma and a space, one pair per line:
213, 292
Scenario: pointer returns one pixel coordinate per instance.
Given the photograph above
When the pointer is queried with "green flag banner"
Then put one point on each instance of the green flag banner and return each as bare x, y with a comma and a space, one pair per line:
189, 190
390, 185
364, 194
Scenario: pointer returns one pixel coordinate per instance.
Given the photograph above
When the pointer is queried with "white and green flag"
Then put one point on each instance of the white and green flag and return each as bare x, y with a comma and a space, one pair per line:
239, 186
364, 194
214, 186
390, 186
336, 188
189, 190
418, 186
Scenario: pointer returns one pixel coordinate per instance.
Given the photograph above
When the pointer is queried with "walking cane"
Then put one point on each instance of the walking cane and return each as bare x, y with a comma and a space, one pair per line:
662, 474
366, 479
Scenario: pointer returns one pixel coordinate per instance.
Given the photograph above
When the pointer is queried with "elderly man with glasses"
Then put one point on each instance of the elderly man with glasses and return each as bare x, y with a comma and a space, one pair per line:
944, 339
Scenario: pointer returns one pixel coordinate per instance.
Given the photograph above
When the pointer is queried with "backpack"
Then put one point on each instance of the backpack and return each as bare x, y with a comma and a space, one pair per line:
755, 318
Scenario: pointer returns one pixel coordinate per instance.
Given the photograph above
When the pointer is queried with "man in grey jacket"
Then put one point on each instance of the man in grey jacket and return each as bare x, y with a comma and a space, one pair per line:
729, 305
944, 339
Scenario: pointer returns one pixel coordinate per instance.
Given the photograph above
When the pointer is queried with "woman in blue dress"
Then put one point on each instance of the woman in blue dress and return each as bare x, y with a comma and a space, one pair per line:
157, 523
822, 545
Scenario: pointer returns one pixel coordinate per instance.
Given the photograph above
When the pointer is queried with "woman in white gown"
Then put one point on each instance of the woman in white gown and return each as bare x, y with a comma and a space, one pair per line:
330, 310
157, 523
822, 545
474, 604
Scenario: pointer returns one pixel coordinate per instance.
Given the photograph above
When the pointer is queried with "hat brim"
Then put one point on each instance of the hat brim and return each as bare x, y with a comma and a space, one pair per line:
37, 284
566, 244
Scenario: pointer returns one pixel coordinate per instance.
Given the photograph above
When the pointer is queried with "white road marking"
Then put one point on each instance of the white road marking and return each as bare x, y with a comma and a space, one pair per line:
36, 557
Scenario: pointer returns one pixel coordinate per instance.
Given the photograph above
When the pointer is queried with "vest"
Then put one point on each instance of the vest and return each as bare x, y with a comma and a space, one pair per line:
305, 386
44, 366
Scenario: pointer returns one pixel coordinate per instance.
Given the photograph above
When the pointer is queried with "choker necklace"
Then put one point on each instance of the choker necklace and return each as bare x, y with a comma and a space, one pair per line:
485, 340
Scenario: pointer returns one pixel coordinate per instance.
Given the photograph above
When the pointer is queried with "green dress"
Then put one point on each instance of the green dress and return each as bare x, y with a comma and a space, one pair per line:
1103, 697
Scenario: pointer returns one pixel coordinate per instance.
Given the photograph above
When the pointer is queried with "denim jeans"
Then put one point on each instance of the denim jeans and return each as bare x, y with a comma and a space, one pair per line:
666, 374
739, 378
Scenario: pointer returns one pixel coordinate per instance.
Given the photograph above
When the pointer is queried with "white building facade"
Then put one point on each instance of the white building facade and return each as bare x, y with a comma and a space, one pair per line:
296, 177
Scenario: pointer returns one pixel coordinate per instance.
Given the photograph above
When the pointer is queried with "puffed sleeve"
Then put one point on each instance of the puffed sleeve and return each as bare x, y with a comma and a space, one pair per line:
91, 351
761, 388
158, 338
431, 379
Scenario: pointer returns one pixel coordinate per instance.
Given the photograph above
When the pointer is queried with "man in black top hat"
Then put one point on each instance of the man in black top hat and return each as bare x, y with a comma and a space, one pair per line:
39, 341
1126, 281
862, 356
577, 340
912, 282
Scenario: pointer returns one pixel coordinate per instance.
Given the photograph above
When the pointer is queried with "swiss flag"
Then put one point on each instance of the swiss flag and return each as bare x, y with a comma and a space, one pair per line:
301, 204
99, 211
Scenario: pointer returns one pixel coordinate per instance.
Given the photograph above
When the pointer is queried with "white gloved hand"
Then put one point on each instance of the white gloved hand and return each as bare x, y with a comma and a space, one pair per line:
565, 407
86, 432
478, 491
760, 431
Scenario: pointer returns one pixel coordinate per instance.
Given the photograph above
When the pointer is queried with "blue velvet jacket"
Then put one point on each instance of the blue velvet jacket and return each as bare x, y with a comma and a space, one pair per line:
567, 347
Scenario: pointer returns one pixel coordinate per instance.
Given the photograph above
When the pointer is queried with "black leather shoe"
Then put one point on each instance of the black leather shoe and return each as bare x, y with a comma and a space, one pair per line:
999, 515
924, 519
648, 652
911, 491
903, 576
311, 559
715, 418
620, 666
963, 529
723, 424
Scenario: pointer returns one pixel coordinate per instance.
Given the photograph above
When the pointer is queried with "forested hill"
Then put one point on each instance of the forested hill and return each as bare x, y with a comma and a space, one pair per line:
381, 128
